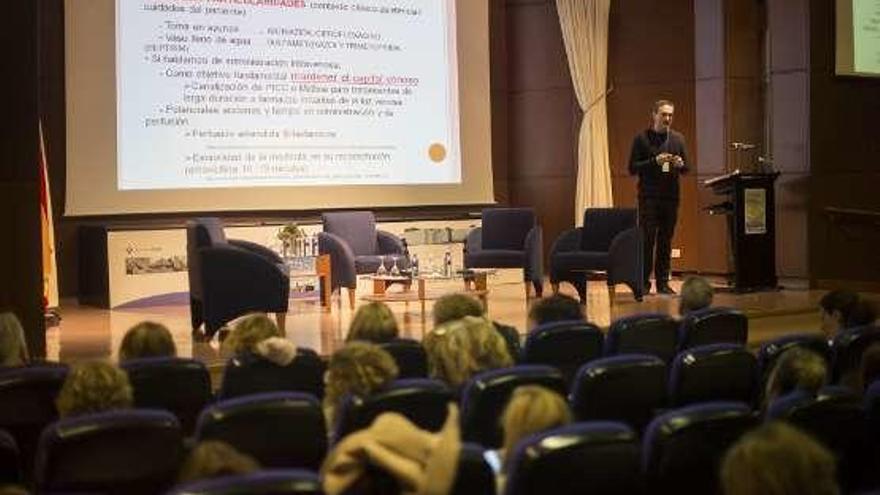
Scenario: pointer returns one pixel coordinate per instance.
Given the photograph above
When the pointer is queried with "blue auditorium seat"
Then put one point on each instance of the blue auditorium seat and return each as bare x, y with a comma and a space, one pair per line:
713, 326
651, 333
597, 458
565, 345
630, 388
123, 451
421, 400
267, 482
682, 449
179, 385
485, 396
278, 429
713, 372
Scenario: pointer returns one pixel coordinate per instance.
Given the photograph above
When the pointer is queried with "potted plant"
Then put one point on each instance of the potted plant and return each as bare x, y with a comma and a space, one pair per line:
288, 235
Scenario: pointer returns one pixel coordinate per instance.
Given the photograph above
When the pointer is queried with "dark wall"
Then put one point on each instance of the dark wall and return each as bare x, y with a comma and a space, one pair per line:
845, 163
21, 286
542, 114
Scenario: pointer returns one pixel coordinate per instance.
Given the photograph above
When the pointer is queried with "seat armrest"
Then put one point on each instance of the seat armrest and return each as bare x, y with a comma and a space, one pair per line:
625, 257
534, 248
473, 243
342, 271
388, 243
570, 240
259, 249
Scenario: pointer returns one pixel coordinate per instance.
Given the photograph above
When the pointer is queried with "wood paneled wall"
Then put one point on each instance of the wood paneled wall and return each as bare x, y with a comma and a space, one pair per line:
844, 148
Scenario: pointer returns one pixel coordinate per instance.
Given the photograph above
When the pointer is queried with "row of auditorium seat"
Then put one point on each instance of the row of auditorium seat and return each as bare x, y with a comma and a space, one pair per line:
138, 451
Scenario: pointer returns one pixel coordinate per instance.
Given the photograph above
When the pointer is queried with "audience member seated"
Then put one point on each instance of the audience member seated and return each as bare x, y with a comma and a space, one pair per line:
459, 349
359, 368
796, 369
557, 307
212, 459
394, 456
532, 409
696, 294
13, 347
456, 306
869, 371
778, 459
374, 323
257, 334
835, 308
12, 490
147, 339
94, 386
862, 314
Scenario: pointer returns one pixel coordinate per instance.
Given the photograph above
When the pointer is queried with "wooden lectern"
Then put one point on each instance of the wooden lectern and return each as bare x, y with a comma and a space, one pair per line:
751, 222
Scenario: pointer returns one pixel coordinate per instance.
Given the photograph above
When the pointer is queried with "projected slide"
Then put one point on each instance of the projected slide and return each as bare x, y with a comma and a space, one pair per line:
228, 93
866, 36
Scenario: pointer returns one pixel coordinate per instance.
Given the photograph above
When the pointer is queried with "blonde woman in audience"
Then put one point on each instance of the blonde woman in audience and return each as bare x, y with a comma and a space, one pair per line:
696, 294
531, 409
359, 368
374, 323
796, 369
257, 334
94, 386
212, 458
147, 339
777, 459
13, 347
462, 348
452, 307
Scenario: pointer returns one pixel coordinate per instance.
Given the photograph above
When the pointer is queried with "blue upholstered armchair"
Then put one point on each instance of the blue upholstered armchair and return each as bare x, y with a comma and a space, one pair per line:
508, 238
354, 246
230, 278
609, 241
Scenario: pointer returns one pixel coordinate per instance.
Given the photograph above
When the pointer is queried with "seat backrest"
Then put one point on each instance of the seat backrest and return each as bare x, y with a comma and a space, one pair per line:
836, 417
872, 412
486, 395
10, 460
630, 388
643, 334
770, 351
596, 457
200, 233
506, 228
566, 345
601, 225
412, 362
265, 482
179, 385
474, 475
357, 228
27, 405
129, 451
713, 326
682, 449
249, 374
716, 372
421, 400
848, 347
279, 429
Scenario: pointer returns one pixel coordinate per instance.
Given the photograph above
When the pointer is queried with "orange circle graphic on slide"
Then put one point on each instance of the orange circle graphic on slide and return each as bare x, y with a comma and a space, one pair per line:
437, 152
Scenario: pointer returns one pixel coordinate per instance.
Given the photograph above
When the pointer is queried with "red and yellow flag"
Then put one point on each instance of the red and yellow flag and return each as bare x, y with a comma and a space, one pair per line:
50, 268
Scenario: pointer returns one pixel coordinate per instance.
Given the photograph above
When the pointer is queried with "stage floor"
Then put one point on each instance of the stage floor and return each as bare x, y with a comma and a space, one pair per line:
87, 332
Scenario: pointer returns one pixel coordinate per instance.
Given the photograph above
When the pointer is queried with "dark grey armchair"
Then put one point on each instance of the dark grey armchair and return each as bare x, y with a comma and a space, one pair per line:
355, 247
508, 238
230, 278
610, 241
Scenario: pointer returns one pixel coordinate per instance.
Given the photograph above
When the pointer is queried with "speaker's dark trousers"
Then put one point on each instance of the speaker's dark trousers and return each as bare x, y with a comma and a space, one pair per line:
657, 217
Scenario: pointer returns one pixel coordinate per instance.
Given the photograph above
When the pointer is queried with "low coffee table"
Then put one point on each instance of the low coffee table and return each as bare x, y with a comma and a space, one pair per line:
475, 284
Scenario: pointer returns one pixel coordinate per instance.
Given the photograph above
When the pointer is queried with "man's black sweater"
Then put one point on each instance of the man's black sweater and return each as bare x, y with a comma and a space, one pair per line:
654, 183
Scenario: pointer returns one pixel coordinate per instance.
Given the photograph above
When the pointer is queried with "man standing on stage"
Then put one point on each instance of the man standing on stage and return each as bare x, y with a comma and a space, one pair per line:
658, 157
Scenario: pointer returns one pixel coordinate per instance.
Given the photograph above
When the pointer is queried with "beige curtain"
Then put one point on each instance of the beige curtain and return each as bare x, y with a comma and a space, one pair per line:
585, 32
